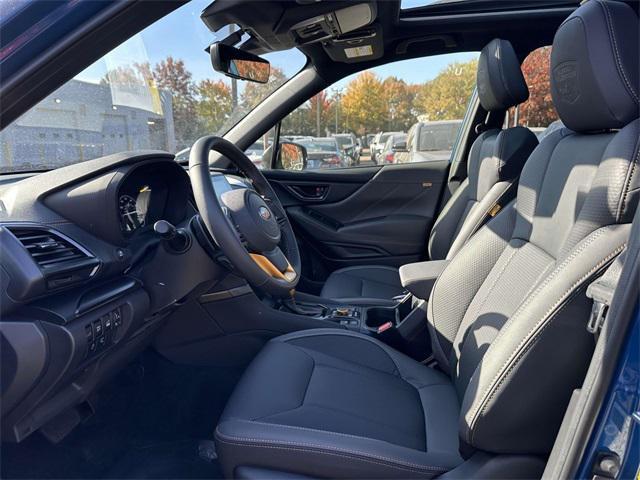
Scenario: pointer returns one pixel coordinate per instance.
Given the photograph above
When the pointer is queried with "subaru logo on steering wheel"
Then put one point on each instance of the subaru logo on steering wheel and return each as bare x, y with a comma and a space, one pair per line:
264, 213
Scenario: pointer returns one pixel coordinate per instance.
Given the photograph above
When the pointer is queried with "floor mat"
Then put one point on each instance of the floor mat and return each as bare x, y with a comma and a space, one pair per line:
149, 423
167, 460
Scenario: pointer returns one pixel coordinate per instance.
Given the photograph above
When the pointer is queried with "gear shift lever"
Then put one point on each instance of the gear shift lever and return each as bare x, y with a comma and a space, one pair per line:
304, 309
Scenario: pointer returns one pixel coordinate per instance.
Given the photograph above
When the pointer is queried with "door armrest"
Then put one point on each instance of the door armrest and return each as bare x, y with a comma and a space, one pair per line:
420, 277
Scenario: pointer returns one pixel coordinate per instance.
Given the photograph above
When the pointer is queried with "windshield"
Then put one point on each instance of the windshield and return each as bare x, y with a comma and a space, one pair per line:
318, 145
155, 91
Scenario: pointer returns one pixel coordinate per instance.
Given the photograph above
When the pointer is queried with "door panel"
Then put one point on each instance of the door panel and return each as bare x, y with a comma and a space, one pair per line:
371, 215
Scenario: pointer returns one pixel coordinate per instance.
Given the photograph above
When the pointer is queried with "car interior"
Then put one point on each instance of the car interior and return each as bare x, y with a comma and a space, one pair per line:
212, 315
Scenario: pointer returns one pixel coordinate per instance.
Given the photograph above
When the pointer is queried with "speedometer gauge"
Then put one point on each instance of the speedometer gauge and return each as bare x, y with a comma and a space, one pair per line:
130, 217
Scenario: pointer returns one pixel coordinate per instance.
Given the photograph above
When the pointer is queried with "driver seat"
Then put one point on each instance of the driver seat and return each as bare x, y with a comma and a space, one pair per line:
508, 309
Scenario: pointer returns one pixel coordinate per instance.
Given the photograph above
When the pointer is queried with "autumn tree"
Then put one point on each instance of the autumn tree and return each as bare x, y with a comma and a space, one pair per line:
363, 104
172, 75
447, 95
398, 99
298, 122
214, 105
538, 111
254, 93
321, 102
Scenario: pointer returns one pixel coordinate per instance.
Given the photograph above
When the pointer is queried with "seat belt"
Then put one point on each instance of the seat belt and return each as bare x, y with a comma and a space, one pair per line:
601, 291
508, 195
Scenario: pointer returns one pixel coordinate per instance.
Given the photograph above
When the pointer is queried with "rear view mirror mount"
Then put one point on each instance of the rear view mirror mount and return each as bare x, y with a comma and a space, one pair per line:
236, 63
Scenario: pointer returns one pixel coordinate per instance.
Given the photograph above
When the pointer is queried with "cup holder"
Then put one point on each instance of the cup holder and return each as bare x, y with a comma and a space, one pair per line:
378, 316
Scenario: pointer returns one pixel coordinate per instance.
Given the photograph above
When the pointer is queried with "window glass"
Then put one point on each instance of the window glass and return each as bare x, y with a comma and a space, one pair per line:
538, 112
426, 97
155, 91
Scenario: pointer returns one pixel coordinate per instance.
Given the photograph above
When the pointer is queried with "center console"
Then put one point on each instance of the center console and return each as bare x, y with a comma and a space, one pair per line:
402, 325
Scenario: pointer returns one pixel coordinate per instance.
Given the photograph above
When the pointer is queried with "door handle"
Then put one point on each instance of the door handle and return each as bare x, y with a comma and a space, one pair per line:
309, 191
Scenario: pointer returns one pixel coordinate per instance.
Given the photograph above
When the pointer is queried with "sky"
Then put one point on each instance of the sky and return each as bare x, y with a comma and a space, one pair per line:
183, 35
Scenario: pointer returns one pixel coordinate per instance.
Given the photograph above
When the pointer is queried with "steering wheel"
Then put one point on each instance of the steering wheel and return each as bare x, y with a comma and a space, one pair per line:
254, 233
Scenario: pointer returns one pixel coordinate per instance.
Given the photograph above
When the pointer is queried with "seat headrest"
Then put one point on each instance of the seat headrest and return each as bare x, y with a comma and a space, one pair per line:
594, 67
500, 81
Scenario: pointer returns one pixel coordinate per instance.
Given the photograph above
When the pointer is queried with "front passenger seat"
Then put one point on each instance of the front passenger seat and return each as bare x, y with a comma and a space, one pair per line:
508, 315
495, 162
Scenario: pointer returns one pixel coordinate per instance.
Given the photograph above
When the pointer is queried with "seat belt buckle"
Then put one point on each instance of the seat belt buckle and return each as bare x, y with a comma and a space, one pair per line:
598, 314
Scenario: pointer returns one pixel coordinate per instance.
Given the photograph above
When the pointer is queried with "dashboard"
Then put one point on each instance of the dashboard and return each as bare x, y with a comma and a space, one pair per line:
86, 282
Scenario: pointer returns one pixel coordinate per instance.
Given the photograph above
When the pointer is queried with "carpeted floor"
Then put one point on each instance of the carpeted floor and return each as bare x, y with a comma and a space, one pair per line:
155, 420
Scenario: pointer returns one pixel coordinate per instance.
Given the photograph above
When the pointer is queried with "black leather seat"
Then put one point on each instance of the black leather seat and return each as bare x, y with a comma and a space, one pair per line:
507, 316
494, 165
343, 404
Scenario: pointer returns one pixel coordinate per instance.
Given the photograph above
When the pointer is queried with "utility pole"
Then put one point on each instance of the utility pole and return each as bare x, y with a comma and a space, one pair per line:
337, 93
234, 82
318, 133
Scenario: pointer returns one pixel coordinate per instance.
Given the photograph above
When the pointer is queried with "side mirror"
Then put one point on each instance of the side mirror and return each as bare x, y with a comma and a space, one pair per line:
236, 63
399, 147
292, 156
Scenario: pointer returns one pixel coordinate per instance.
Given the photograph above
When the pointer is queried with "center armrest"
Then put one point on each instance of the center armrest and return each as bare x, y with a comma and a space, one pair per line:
420, 277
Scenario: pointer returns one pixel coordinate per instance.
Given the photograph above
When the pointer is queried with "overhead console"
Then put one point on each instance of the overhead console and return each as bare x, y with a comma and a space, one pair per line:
347, 31
333, 24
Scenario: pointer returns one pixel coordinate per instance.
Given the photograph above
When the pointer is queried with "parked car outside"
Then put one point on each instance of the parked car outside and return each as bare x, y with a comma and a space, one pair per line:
429, 141
255, 153
323, 152
395, 142
349, 145
378, 144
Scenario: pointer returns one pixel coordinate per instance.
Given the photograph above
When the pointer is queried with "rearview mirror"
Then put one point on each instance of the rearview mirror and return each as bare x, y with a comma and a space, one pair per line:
236, 63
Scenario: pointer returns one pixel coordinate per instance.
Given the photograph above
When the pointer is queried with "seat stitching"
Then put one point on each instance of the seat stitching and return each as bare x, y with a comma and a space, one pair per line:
361, 417
522, 306
366, 373
346, 334
547, 280
612, 37
501, 375
520, 355
328, 450
631, 171
433, 315
328, 432
495, 280
306, 389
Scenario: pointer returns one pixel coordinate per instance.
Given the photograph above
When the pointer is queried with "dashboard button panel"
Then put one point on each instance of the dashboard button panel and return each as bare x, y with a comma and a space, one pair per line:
102, 332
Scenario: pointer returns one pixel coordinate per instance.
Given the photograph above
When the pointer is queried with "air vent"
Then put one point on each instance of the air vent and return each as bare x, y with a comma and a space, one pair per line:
48, 249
